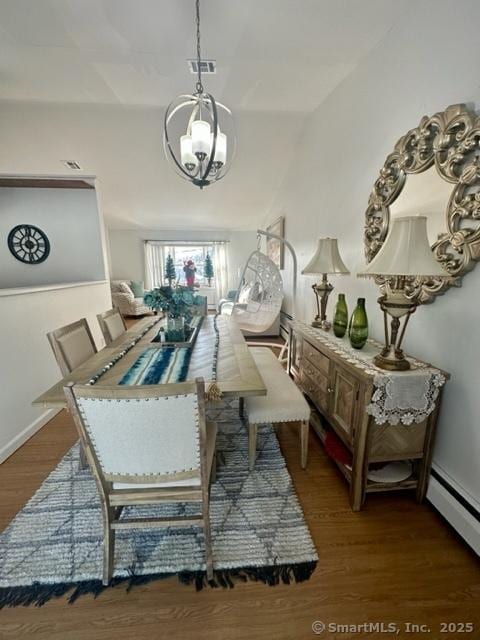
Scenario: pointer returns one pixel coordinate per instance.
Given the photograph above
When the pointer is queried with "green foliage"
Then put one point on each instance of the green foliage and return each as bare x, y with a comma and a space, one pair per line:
208, 271
175, 301
170, 273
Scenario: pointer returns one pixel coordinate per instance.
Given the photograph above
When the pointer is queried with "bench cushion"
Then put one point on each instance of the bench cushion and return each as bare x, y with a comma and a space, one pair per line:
284, 401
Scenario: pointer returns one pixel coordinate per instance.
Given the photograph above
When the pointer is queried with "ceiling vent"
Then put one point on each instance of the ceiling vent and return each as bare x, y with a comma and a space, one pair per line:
206, 66
71, 164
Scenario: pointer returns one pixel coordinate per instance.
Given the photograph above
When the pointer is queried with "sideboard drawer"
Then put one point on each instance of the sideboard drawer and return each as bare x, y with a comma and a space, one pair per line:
316, 357
315, 392
316, 375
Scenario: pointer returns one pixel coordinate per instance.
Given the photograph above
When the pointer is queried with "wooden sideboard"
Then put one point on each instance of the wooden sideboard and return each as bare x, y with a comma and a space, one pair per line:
341, 392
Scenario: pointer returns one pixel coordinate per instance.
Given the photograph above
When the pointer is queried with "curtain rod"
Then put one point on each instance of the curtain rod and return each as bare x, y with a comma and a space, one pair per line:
184, 242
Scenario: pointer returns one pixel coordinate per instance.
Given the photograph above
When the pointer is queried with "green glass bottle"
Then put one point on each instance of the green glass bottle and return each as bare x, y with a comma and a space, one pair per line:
340, 320
358, 328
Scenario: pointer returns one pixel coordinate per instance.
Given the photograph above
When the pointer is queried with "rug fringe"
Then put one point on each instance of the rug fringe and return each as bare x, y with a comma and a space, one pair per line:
38, 594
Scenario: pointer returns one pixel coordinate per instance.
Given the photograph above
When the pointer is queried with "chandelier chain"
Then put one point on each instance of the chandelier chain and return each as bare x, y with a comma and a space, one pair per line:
199, 71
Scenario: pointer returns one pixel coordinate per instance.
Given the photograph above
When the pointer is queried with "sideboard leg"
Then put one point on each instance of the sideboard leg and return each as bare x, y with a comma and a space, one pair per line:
360, 457
357, 485
426, 462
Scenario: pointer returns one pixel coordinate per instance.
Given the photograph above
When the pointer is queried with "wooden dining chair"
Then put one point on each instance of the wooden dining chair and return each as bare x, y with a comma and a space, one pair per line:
72, 345
112, 324
147, 445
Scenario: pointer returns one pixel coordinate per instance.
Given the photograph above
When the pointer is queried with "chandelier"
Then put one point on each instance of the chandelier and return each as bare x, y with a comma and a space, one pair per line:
200, 154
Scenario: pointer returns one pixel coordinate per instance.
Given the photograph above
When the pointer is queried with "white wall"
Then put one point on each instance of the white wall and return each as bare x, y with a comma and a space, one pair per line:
123, 147
75, 226
69, 217
28, 365
126, 249
428, 61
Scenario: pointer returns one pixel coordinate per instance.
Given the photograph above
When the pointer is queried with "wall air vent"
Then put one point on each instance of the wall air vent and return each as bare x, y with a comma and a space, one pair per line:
206, 66
71, 164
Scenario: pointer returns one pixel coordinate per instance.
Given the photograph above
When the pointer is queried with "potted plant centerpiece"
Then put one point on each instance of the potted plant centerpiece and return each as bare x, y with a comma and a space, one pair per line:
179, 304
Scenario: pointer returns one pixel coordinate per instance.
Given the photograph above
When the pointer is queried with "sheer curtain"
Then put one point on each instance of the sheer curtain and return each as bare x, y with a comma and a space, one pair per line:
221, 268
154, 261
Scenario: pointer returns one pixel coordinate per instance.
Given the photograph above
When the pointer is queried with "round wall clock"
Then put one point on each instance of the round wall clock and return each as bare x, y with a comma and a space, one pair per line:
28, 244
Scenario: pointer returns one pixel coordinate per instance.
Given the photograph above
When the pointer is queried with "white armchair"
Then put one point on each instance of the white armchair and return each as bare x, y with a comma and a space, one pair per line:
125, 301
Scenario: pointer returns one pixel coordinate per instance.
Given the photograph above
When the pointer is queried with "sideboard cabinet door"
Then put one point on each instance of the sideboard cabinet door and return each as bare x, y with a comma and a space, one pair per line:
344, 396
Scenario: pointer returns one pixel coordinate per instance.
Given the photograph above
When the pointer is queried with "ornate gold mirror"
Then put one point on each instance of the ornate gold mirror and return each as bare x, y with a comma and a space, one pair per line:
441, 159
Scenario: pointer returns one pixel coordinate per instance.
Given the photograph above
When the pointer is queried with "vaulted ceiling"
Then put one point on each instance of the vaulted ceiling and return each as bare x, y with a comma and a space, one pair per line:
277, 61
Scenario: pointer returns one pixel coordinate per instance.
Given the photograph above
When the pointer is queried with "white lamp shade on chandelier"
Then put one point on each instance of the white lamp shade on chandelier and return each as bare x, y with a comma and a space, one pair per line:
326, 259
220, 148
406, 252
189, 160
201, 138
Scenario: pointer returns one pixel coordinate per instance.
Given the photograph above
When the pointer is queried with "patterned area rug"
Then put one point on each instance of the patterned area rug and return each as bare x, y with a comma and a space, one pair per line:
53, 545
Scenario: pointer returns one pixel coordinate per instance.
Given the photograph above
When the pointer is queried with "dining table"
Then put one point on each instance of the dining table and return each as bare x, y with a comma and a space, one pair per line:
237, 375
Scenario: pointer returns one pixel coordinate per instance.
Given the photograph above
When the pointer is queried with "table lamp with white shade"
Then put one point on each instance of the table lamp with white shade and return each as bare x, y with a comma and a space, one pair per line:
325, 261
404, 256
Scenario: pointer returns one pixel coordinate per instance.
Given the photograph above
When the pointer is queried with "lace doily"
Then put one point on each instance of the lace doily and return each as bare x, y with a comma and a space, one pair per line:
408, 399
404, 397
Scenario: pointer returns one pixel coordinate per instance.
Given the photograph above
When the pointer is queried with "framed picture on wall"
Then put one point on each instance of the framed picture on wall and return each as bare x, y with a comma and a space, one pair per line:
275, 248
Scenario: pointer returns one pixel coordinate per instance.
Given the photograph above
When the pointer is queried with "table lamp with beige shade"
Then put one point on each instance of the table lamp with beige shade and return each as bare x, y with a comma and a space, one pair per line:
325, 261
404, 256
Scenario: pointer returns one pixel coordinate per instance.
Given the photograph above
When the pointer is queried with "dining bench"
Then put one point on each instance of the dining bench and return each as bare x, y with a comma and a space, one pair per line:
284, 402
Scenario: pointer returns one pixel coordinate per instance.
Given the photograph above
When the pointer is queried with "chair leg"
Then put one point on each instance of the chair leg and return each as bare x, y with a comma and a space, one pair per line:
304, 429
108, 545
252, 445
207, 534
213, 471
83, 464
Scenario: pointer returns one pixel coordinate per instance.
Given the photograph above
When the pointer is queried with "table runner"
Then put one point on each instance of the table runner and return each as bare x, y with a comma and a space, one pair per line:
159, 366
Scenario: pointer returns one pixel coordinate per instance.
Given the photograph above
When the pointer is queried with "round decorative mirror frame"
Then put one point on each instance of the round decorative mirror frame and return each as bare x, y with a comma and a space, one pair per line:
450, 140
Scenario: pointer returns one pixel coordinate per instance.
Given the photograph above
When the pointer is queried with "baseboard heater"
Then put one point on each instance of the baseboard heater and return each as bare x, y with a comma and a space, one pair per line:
455, 507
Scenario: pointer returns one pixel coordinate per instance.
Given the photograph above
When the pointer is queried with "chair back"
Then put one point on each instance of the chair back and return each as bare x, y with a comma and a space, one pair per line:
112, 324
72, 345
142, 434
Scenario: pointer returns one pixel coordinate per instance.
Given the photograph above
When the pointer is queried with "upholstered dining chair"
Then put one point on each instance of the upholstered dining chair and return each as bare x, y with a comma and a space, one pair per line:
112, 324
72, 345
147, 445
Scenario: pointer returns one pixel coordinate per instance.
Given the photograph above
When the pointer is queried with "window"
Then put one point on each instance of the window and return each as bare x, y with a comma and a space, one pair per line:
156, 252
182, 254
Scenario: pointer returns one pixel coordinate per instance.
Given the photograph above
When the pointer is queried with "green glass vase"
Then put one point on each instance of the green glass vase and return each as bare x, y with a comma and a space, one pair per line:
340, 319
358, 328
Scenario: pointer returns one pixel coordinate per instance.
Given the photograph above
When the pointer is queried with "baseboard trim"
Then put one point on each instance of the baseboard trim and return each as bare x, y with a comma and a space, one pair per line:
24, 435
458, 512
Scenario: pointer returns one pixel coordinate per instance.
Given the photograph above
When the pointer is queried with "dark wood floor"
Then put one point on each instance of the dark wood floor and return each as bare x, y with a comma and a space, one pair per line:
396, 561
